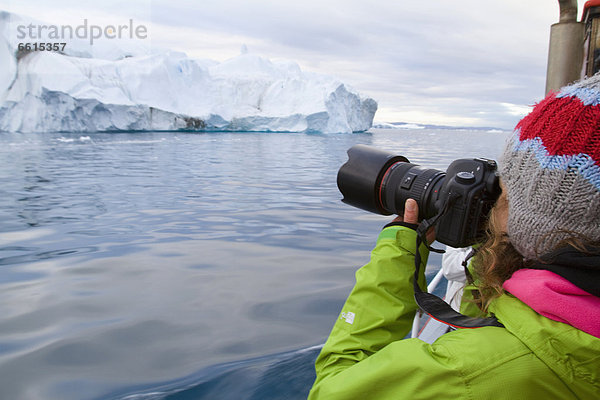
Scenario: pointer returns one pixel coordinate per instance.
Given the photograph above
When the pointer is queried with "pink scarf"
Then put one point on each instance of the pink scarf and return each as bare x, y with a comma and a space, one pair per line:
556, 298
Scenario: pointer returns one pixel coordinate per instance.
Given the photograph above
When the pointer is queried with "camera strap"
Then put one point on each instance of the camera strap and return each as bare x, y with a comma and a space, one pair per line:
435, 307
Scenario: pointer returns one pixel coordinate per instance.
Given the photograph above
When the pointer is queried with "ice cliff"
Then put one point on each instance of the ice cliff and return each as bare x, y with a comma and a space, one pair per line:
87, 89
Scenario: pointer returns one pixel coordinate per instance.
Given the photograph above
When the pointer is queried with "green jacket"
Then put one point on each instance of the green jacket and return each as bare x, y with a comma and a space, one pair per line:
366, 357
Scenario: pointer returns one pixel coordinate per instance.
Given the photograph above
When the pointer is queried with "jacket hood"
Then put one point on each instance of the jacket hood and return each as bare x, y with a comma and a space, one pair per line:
572, 354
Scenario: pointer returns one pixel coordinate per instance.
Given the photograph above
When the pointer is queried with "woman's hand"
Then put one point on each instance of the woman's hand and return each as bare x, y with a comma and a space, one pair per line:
411, 216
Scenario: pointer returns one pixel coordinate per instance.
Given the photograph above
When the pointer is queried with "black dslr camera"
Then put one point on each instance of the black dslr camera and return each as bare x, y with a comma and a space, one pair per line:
462, 197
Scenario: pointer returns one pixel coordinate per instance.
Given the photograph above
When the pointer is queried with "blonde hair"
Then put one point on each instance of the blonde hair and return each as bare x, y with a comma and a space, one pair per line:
496, 260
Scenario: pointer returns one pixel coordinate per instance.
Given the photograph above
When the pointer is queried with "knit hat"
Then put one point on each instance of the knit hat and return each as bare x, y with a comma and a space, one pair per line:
551, 170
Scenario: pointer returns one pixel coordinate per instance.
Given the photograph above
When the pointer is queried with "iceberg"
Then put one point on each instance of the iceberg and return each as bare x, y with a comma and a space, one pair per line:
96, 88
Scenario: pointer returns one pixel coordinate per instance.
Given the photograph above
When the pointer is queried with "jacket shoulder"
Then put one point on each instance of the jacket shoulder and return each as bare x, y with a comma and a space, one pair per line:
572, 355
496, 364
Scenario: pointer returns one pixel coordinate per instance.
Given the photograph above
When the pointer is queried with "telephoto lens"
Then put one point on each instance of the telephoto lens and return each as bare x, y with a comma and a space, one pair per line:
380, 182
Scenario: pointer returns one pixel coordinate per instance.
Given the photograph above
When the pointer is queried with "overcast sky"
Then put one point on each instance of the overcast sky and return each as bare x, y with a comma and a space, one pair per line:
464, 63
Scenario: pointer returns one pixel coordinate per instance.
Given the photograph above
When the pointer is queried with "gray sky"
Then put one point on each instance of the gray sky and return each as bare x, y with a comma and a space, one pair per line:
469, 63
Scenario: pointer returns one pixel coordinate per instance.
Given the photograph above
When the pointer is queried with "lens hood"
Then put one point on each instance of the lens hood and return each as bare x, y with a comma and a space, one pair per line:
359, 179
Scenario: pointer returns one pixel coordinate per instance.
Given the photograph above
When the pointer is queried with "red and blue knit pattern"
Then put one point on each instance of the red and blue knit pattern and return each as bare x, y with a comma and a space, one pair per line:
551, 171
563, 132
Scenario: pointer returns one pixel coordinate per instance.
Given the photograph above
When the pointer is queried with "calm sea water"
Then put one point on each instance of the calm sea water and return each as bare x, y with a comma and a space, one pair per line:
179, 265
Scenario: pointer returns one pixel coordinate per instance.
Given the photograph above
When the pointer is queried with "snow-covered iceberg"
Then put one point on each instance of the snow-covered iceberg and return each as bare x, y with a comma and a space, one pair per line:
79, 91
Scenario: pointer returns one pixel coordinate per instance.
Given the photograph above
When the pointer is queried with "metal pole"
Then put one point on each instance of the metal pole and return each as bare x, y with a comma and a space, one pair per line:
565, 56
568, 10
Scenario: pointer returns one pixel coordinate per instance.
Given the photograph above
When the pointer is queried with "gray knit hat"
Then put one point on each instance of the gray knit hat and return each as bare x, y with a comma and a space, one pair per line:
551, 170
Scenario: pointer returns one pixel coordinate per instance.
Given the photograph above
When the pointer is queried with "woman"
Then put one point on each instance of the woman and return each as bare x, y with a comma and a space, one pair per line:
538, 274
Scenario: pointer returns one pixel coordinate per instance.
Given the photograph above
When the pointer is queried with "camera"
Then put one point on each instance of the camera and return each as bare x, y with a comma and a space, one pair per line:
462, 197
